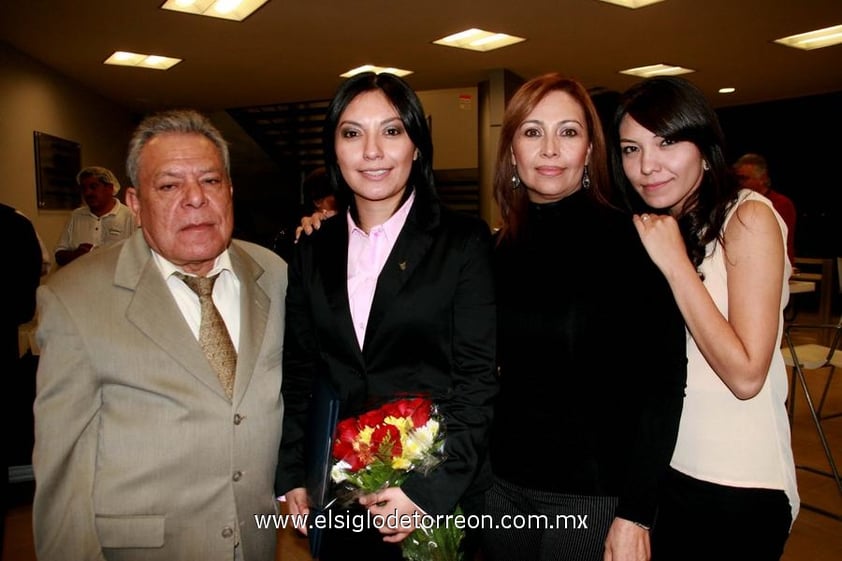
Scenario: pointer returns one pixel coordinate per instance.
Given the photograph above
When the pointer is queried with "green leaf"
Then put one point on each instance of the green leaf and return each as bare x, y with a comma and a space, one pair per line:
439, 543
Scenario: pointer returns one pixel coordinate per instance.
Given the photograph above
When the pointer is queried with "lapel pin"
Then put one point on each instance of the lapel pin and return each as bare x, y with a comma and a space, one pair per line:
402, 265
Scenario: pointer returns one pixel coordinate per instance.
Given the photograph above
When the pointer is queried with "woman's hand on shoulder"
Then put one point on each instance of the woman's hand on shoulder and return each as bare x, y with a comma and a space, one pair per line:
313, 222
662, 239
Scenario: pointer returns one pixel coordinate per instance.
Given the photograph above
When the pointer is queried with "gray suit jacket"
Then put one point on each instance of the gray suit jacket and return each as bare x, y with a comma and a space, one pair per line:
138, 453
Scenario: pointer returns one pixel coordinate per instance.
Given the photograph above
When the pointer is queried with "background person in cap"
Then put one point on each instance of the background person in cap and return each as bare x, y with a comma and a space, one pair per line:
101, 220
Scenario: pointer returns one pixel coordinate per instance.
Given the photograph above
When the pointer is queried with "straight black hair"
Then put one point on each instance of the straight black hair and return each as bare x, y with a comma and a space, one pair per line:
411, 113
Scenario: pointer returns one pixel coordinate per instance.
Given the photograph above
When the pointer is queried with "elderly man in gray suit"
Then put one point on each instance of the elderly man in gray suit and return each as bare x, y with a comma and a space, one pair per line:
147, 447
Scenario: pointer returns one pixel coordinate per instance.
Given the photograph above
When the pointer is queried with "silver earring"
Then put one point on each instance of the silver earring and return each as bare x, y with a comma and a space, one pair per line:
705, 165
586, 179
515, 180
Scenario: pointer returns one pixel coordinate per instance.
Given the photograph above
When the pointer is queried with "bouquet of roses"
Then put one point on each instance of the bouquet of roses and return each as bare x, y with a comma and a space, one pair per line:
380, 449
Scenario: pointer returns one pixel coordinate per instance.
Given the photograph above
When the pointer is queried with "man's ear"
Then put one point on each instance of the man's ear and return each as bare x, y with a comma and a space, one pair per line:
133, 202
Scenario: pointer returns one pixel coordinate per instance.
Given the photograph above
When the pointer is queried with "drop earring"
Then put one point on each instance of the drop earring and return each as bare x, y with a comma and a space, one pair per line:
515, 177
586, 179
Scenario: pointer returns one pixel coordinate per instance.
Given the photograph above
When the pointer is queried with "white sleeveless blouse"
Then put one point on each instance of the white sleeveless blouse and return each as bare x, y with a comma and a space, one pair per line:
725, 440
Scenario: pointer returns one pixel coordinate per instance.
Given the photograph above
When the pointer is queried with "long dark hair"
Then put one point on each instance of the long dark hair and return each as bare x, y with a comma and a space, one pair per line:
411, 113
514, 202
675, 109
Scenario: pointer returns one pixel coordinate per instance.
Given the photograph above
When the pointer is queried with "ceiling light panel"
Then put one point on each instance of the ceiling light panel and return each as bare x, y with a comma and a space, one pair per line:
377, 70
814, 39
656, 70
155, 62
236, 10
633, 4
478, 40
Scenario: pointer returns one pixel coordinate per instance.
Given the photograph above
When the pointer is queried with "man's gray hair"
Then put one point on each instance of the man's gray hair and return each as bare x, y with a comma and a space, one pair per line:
181, 121
103, 175
752, 159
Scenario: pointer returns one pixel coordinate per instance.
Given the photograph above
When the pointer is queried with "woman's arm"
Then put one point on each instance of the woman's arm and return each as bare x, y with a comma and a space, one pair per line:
298, 367
738, 347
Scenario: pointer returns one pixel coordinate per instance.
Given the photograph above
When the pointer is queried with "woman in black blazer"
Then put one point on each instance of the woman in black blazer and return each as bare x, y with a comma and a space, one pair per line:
416, 317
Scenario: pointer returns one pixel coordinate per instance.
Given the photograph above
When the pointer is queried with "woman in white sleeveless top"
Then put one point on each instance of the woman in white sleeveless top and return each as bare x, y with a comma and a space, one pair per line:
731, 491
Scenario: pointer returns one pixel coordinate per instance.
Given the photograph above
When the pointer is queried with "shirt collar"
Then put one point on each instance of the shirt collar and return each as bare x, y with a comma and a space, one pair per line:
392, 227
167, 268
111, 212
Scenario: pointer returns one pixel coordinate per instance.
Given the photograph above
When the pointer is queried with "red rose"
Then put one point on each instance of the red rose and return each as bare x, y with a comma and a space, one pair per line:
418, 409
386, 439
347, 428
371, 418
391, 409
346, 446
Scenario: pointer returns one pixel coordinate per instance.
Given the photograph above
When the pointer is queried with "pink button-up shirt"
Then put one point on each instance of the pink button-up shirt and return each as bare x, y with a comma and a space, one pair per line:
367, 253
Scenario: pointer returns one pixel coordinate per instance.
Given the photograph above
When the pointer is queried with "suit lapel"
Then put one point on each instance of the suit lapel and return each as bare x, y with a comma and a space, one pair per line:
332, 263
409, 249
254, 313
155, 314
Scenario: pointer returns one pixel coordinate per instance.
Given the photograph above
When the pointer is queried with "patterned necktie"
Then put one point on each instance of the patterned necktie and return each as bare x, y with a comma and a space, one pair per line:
213, 335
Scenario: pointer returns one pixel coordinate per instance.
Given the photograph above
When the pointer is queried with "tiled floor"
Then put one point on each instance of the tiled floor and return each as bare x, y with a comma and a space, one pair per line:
815, 537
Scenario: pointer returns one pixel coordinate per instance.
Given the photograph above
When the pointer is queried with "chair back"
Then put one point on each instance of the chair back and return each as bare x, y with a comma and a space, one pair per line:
839, 272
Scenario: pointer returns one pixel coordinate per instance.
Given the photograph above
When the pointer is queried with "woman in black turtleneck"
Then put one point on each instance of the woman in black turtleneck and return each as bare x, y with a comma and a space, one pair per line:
591, 346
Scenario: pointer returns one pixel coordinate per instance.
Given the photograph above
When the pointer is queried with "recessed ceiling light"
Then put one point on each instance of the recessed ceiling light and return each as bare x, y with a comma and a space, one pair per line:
125, 58
814, 39
478, 40
236, 10
727, 90
656, 70
376, 70
633, 4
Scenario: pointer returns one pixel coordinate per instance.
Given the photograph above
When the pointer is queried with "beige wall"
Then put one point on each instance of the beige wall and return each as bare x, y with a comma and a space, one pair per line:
34, 97
454, 117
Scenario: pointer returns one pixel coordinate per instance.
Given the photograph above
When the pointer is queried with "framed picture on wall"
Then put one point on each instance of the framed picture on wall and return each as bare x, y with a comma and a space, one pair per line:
57, 161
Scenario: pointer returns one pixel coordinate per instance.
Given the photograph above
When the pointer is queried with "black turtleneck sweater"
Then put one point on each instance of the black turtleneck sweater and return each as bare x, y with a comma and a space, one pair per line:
591, 349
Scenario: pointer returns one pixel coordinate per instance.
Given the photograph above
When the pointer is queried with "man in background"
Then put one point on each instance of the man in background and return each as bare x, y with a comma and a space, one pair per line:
22, 261
318, 198
102, 220
752, 172
158, 405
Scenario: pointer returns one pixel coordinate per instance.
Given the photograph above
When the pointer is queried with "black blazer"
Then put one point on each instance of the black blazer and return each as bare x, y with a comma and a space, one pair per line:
23, 259
431, 332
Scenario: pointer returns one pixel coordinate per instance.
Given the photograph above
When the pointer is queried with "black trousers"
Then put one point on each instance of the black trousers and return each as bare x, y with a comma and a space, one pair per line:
698, 520
534, 525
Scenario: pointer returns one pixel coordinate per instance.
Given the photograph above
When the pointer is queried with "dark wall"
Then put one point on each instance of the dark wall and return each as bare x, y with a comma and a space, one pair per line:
802, 141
